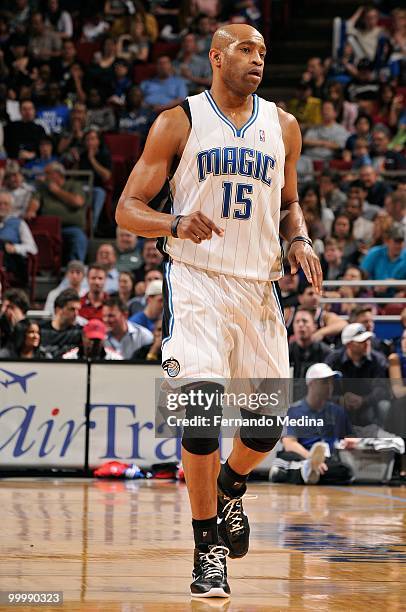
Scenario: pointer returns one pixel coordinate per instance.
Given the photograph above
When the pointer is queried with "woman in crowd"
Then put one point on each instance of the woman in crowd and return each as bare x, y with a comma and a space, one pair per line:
319, 219
342, 231
134, 46
25, 342
125, 286
346, 111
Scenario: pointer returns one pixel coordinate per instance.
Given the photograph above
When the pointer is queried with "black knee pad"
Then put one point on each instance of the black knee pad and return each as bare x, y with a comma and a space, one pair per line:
257, 437
201, 437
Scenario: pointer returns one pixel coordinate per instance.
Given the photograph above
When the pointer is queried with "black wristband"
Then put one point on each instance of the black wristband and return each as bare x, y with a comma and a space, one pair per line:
305, 239
174, 226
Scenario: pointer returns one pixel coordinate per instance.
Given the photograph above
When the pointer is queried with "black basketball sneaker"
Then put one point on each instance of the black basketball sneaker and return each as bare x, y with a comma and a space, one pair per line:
233, 525
210, 573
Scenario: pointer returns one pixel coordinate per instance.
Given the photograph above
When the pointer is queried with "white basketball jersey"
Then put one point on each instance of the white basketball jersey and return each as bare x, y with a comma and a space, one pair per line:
235, 178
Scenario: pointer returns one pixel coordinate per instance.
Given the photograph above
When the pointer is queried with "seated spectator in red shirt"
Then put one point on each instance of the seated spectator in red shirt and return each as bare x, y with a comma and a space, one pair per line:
91, 304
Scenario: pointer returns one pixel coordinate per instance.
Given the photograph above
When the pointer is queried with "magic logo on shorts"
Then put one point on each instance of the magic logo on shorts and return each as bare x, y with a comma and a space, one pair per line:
171, 366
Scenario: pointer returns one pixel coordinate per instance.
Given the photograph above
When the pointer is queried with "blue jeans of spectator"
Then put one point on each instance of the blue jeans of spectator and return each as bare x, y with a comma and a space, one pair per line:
74, 243
99, 197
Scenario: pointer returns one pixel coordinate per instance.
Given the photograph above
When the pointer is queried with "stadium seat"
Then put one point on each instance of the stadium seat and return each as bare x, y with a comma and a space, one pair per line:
339, 164
142, 72
161, 48
47, 232
7, 279
318, 165
86, 50
125, 150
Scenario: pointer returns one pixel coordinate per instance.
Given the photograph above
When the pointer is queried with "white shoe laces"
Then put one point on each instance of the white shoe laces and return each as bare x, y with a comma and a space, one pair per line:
233, 512
213, 561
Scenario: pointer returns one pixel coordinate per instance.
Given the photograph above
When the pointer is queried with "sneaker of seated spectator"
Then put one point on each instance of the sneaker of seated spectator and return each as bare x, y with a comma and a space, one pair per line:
16, 242
73, 279
63, 333
154, 306
91, 304
92, 346
106, 257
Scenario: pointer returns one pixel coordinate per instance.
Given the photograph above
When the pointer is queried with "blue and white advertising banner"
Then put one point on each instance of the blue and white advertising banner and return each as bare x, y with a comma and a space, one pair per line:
42, 414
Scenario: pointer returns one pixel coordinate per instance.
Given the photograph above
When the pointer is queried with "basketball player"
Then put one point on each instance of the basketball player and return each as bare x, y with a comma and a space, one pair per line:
231, 159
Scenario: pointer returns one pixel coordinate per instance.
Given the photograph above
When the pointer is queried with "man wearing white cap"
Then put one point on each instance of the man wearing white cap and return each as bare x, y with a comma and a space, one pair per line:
356, 360
314, 425
153, 310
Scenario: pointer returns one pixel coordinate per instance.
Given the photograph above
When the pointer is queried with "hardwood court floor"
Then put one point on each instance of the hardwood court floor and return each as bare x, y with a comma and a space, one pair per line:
126, 546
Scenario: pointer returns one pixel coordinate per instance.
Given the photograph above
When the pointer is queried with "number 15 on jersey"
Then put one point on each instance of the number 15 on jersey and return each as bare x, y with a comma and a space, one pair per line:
241, 207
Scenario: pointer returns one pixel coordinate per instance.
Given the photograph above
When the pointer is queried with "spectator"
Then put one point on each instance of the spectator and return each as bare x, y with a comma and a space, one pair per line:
390, 107
165, 90
91, 304
120, 84
356, 360
154, 307
20, 16
352, 273
309, 454
122, 335
364, 314
395, 205
62, 333
389, 260
331, 196
96, 158
134, 46
397, 375
327, 323
106, 257
358, 190
342, 230
377, 190
341, 69
323, 217
44, 43
20, 191
92, 345
61, 66
101, 71
346, 111
362, 229
14, 308
303, 350
315, 76
128, 257
305, 107
71, 142
153, 351
125, 287
136, 117
383, 158
364, 32
321, 142
64, 199
16, 241
139, 302
60, 21
36, 166
99, 115
204, 34
74, 279
382, 223
332, 261
53, 115
25, 342
22, 137
363, 126
151, 257
94, 27
360, 156
192, 67
364, 88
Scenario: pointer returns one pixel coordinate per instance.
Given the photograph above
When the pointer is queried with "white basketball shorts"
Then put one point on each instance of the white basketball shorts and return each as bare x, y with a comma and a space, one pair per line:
218, 326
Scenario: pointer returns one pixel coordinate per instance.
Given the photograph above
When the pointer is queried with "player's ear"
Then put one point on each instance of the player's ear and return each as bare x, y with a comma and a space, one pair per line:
215, 57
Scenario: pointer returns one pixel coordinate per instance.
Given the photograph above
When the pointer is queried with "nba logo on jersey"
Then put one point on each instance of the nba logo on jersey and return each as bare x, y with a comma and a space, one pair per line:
262, 135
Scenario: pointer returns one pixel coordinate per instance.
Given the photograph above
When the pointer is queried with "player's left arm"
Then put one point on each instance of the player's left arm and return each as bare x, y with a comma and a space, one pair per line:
292, 224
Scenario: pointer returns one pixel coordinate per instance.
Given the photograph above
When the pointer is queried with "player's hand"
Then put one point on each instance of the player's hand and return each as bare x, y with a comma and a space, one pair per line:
352, 401
302, 255
323, 468
197, 227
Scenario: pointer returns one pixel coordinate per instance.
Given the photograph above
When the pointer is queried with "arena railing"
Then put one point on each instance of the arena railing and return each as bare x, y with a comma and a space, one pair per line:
364, 300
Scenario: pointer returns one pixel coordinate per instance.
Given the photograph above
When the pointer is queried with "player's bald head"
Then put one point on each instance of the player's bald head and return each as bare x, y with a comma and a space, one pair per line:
234, 33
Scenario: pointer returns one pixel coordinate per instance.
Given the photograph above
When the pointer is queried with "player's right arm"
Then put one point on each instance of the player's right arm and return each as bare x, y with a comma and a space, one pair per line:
165, 142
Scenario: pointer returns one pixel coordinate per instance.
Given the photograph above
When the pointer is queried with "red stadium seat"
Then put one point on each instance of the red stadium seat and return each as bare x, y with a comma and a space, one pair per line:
318, 165
142, 72
161, 48
340, 164
47, 232
86, 50
125, 150
7, 279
